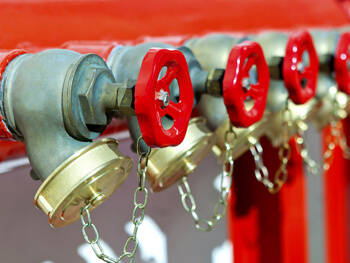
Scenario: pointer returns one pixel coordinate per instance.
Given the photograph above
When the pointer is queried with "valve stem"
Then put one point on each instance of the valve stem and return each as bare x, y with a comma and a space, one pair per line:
300, 66
246, 84
164, 98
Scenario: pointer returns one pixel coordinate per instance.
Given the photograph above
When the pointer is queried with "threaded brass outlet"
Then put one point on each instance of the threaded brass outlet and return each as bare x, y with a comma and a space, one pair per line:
166, 166
91, 175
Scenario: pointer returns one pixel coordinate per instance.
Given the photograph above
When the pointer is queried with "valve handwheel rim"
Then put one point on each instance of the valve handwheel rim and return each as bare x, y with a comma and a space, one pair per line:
298, 43
241, 59
341, 59
152, 98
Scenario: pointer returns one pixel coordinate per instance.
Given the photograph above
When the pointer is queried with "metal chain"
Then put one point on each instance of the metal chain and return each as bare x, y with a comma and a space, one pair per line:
284, 152
343, 142
132, 240
332, 139
220, 207
311, 165
260, 171
337, 129
335, 137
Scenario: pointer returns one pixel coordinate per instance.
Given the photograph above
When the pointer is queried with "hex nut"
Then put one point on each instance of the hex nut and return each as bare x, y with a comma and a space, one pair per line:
126, 98
215, 82
275, 65
94, 95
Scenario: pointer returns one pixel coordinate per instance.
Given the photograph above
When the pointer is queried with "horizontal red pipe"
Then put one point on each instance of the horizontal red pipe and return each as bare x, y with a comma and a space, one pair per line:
50, 23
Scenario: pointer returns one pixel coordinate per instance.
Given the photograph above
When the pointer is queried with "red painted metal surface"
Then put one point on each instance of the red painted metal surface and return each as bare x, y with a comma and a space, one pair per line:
103, 49
299, 42
341, 60
50, 23
5, 58
264, 227
9, 147
148, 107
345, 6
241, 59
336, 179
337, 183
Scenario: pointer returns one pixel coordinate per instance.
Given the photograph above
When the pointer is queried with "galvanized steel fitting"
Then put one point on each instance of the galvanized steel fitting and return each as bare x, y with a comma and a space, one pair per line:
57, 102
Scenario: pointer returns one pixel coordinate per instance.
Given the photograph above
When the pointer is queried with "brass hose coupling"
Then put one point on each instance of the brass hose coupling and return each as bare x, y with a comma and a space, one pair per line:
56, 102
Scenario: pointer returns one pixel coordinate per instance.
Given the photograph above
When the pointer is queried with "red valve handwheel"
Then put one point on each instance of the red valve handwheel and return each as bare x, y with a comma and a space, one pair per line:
242, 57
298, 43
341, 59
148, 106
5, 58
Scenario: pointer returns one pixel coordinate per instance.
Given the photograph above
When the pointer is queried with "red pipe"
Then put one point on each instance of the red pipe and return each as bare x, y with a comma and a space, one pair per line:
337, 182
267, 228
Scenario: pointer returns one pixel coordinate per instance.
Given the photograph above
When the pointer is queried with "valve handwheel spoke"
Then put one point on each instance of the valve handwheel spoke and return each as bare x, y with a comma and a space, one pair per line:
300, 81
152, 98
237, 87
170, 75
341, 61
306, 73
248, 65
174, 110
254, 91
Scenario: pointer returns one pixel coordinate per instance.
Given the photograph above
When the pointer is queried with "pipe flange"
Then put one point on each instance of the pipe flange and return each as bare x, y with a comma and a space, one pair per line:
8, 126
166, 166
93, 173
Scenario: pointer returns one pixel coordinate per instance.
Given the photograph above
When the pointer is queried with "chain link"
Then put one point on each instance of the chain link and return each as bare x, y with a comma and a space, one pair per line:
337, 129
343, 142
132, 241
260, 171
332, 139
284, 152
220, 207
311, 165
335, 137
